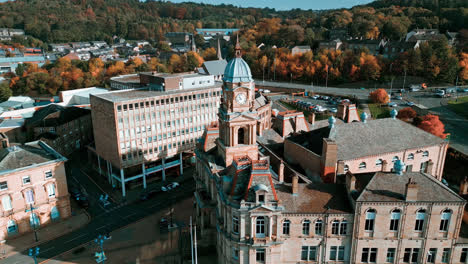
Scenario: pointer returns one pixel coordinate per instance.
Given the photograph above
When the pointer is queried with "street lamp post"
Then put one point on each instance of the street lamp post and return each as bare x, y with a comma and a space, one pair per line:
34, 223
100, 255
33, 253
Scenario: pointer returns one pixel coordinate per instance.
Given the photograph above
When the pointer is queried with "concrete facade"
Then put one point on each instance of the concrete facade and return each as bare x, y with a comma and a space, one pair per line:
136, 131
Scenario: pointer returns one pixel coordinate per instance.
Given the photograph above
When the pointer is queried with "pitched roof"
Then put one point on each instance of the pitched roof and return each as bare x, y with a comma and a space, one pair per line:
390, 187
314, 198
20, 156
358, 139
55, 115
215, 67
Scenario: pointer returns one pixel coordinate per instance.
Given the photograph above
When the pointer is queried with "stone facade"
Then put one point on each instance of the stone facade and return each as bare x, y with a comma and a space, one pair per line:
255, 217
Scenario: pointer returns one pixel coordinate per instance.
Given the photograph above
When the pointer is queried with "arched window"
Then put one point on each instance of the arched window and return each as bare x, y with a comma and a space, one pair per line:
362, 165
343, 227
445, 220
306, 227
411, 156
6, 202
12, 228
379, 162
335, 227
286, 226
260, 227
318, 227
395, 158
54, 214
29, 196
395, 220
346, 168
425, 154
370, 220
241, 136
420, 217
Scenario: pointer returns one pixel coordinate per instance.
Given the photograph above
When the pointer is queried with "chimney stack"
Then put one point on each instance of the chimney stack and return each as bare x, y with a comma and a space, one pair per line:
281, 172
295, 185
384, 165
350, 182
430, 165
312, 119
464, 187
411, 191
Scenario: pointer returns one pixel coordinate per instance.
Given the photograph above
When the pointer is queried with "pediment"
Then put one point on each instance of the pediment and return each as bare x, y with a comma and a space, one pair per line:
262, 209
241, 118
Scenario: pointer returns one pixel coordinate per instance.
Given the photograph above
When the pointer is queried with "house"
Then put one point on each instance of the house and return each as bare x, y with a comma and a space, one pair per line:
331, 44
216, 31
66, 129
33, 188
17, 102
300, 49
215, 68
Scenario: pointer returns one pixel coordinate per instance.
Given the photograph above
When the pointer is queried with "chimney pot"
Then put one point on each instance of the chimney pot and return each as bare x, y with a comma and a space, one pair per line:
464, 186
281, 172
295, 185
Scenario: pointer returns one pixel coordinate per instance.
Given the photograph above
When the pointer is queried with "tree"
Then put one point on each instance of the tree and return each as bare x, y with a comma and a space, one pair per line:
379, 96
210, 54
5, 91
432, 124
407, 113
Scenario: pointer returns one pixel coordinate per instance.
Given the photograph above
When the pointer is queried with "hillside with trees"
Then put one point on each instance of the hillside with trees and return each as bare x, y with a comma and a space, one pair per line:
78, 20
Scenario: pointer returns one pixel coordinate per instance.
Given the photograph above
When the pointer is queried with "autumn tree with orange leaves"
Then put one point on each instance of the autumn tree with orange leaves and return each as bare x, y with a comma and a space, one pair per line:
379, 96
432, 124
407, 114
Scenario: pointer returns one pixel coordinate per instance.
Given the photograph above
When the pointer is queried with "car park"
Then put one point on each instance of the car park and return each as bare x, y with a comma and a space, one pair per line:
169, 186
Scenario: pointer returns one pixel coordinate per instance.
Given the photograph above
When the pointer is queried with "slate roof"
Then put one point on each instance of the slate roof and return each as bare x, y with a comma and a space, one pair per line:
20, 156
215, 67
55, 115
358, 139
390, 187
314, 198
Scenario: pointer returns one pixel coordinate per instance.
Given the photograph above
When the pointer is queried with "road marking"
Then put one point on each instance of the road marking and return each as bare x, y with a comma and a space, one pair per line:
89, 177
42, 251
101, 227
130, 215
75, 238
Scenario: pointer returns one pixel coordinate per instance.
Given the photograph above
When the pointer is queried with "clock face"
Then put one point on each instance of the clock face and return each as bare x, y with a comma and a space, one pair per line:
241, 98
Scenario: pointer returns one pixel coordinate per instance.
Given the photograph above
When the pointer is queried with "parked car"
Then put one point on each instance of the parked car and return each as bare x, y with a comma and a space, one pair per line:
325, 97
333, 110
75, 192
415, 87
398, 97
392, 104
320, 109
465, 90
409, 103
83, 201
169, 186
148, 194
315, 97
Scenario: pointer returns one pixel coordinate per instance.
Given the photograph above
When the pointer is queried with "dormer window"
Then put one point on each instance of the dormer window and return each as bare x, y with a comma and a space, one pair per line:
261, 198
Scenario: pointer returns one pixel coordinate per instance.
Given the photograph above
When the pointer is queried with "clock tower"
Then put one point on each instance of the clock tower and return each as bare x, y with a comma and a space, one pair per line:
237, 116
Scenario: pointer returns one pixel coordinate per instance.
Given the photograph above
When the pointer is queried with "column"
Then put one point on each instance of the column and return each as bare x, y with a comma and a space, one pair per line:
181, 164
144, 175
270, 226
163, 170
122, 182
252, 227
99, 163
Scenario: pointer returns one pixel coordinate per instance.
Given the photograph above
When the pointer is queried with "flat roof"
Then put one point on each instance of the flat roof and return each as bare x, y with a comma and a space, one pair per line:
130, 95
172, 75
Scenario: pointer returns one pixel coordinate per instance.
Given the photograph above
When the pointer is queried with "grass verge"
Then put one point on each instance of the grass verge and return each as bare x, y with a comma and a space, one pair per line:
459, 106
378, 111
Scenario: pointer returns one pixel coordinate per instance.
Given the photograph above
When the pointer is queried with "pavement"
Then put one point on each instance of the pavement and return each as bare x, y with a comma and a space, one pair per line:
47, 233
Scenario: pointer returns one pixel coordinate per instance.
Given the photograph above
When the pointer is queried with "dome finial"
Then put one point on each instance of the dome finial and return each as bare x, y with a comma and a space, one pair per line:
238, 48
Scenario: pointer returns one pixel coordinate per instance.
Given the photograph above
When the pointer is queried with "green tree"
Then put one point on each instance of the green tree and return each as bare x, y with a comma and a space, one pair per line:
5, 91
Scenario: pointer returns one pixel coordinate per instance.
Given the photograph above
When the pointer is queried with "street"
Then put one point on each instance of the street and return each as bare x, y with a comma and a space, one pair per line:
104, 220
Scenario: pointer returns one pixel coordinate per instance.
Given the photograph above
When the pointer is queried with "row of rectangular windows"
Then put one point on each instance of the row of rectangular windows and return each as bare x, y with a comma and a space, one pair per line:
25, 180
136, 155
171, 100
